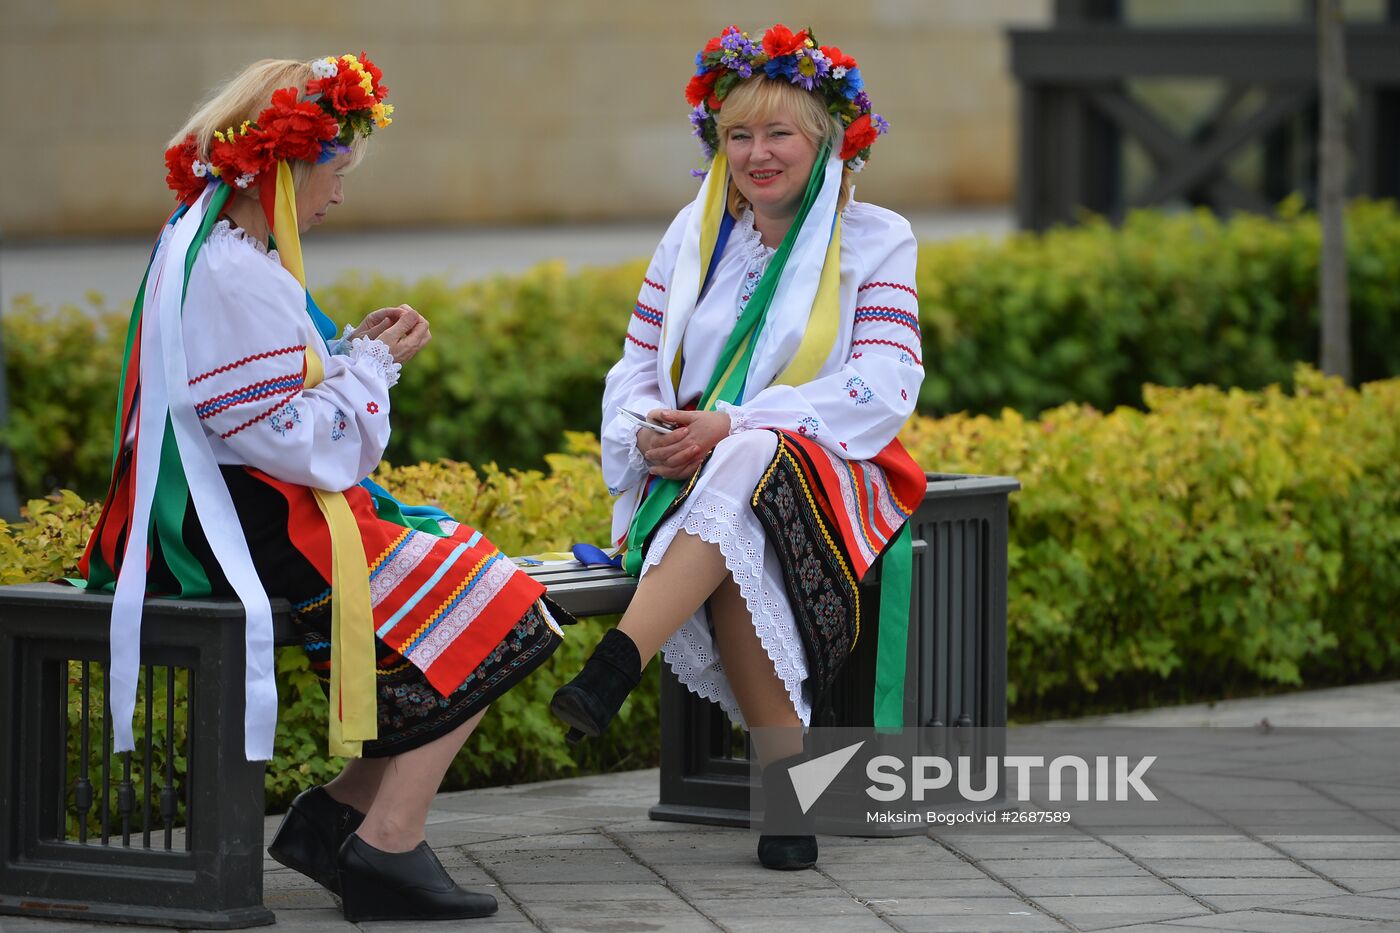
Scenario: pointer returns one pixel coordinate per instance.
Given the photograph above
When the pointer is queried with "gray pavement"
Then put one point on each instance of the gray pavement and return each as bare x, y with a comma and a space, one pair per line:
65, 271
581, 855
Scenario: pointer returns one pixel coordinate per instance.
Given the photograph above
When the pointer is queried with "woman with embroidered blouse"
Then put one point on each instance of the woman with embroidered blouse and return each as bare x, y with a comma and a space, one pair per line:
247, 430
749, 430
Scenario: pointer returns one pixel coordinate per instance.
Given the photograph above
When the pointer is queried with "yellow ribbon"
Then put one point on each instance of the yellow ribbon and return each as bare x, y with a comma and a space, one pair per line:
716, 203
284, 224
824, 321
353, 717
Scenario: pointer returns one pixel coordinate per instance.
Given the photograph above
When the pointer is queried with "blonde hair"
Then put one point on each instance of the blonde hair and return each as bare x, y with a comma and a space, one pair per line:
756, 100
245, 96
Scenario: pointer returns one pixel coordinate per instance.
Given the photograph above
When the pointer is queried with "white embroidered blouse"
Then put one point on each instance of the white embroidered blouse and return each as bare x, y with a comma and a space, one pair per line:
859, 400
246, 335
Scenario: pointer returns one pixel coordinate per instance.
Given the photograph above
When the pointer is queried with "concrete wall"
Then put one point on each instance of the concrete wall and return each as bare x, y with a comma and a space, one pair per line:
507, 110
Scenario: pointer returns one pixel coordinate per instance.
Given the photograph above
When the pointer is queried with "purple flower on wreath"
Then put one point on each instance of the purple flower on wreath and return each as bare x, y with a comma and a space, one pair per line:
330, 148
738, 53
882, 126
698, 116
812, 66
699, 172
862, 101
734, 41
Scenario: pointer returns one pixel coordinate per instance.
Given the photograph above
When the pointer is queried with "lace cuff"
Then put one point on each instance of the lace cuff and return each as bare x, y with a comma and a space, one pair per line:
739, 420
635, 459
362, 348
341, 345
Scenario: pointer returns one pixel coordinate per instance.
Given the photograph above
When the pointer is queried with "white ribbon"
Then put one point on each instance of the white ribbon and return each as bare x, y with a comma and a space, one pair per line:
124, 633
165, 392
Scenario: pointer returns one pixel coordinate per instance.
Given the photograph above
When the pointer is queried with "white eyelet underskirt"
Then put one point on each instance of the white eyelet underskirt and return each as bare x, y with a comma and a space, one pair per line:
718, 511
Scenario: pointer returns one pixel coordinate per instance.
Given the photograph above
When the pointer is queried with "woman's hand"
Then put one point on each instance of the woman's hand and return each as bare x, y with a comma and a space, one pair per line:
403, 330
679, 454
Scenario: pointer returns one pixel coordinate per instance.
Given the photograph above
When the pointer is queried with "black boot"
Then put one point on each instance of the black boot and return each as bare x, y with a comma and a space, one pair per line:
311, 834
411, 885
781, 812
591, 700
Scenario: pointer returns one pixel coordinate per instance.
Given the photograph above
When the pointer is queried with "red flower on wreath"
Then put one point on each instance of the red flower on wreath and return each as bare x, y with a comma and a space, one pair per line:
838, 58
298, 128
780, 41
179, 161
859, 135
344, 92
380, 91
239, 154
701, 86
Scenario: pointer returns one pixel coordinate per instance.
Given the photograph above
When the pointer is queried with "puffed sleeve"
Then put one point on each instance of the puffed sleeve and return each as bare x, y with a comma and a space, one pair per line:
632, 382
859, 408
246, 335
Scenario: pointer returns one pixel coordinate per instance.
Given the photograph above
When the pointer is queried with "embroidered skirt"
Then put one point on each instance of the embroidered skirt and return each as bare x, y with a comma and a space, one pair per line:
784, 512
500, 625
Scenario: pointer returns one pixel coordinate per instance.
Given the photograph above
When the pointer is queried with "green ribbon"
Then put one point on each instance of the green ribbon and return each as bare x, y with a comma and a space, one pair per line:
730, 373
172, 493
389, 509
892, 646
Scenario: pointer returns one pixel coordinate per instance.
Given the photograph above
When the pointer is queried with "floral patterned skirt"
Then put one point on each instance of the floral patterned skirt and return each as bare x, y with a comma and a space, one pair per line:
411, 711
777, 510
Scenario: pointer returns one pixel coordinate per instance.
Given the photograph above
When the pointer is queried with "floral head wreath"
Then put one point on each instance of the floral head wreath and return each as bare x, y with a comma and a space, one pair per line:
344, 98
731, 56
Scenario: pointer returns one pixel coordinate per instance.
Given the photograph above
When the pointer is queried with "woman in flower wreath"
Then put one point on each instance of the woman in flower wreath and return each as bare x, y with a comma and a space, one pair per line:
777, 331
246, 431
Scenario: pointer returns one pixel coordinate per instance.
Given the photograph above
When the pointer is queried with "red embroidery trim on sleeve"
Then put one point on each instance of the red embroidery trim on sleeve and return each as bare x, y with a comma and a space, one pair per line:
252, 421
867, 313
903, 288
890, 343
247, 359
647, 314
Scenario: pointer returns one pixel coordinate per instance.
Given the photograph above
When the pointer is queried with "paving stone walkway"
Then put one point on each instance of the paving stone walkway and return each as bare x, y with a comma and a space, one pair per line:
581, 855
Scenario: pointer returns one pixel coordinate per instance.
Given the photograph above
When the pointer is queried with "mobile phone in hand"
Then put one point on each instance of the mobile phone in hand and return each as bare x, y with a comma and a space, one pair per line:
642, 420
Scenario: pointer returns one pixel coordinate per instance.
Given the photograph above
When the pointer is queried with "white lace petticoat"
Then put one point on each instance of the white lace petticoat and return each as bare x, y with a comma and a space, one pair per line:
718, 511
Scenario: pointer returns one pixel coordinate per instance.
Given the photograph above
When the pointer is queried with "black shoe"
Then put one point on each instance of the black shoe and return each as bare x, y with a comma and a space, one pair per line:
591, 700
409, 885
784, 851
311, 834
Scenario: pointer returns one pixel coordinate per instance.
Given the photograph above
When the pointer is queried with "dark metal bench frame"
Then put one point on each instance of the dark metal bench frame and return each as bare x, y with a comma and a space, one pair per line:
209, 874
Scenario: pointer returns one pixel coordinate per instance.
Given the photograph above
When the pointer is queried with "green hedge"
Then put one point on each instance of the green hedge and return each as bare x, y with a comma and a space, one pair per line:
1091, 313
1084, 314
1220, 543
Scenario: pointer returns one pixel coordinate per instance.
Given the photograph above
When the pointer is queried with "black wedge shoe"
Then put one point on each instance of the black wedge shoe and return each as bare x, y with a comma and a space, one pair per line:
591, 700
411, 885
782, 851
312, 833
